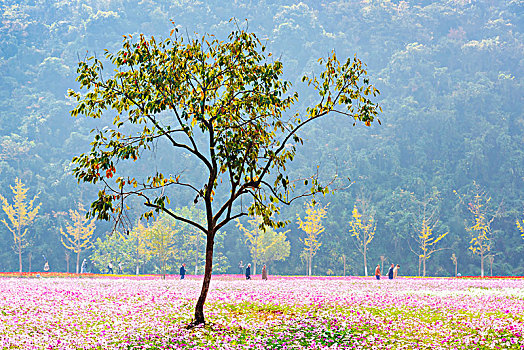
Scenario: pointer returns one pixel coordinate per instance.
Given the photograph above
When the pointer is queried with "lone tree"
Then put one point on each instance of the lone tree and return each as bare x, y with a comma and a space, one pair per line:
221, 103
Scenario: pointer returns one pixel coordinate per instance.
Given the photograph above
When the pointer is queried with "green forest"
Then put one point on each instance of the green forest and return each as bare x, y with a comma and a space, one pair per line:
446, 161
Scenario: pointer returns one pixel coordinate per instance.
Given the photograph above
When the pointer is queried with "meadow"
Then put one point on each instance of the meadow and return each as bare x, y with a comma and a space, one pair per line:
127, 312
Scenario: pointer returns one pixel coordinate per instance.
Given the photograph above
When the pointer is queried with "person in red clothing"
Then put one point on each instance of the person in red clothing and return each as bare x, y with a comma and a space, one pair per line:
377, 272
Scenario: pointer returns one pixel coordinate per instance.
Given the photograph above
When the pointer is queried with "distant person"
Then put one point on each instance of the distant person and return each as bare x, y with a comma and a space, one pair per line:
264, 273
120, 271
377, 272
241, 267
390, 271
83, 267
110, 268
395, 271
248, 272
183, 271
46, 266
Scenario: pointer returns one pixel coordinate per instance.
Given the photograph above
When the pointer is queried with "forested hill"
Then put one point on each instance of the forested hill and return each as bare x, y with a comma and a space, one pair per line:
450, 74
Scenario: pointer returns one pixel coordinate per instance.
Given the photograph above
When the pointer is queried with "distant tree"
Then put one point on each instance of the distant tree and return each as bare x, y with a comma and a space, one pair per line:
161, 242
520, 226
362, 227
483, 215
426, 212
67, 258
382, 260
313, 228
139, 252
191, 239
223, 104
21, 215
78, 235
265, 244
115, 248
491, 259
455, 263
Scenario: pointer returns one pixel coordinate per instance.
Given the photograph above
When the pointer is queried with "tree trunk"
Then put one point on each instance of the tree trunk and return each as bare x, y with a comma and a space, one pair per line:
30, 255
199, 309
137, 269
344, 259
197, 244
77, 261
20, 256
365, 265
481, 263
196, 263
309, 267
424, 267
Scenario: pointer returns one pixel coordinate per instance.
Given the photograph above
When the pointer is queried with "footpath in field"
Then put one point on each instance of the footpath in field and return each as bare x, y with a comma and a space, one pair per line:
282, 313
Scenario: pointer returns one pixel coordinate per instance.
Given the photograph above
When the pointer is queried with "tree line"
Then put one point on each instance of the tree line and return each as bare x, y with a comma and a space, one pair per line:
450, 76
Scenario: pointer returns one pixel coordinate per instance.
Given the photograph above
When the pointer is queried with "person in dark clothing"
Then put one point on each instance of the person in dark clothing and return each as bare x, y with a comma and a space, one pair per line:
110, 268
182, 271
248, 272
390, 271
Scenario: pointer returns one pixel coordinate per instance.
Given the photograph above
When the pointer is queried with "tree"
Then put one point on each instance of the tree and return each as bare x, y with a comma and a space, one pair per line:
191, 239
265, 245
139, 252
161, 242
224, 105
312, 227
362, 227
455, 262
21, 214
116, 248
480, 230
78, 235
427, 221
520, 226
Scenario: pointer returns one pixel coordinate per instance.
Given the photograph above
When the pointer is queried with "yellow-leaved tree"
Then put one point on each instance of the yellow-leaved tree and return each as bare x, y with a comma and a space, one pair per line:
161, 242
265, 245
427, 223
427, 241
21, 214
483, 215
520, 226
312, 226
77, 236
140, 253
362, 226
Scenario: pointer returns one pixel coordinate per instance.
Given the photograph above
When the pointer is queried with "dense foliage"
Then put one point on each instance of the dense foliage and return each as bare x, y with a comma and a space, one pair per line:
450, 75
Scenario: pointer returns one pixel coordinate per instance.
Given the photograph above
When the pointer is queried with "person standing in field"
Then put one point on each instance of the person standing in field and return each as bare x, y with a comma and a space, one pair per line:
241, 267
248, 272
46, 266
377, 272
120, 271
83, 267
390, 271
395, 271
183, 271
264, 272
110, 268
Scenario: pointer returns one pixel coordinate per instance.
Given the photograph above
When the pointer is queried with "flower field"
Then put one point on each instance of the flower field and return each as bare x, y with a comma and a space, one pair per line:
282, 313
